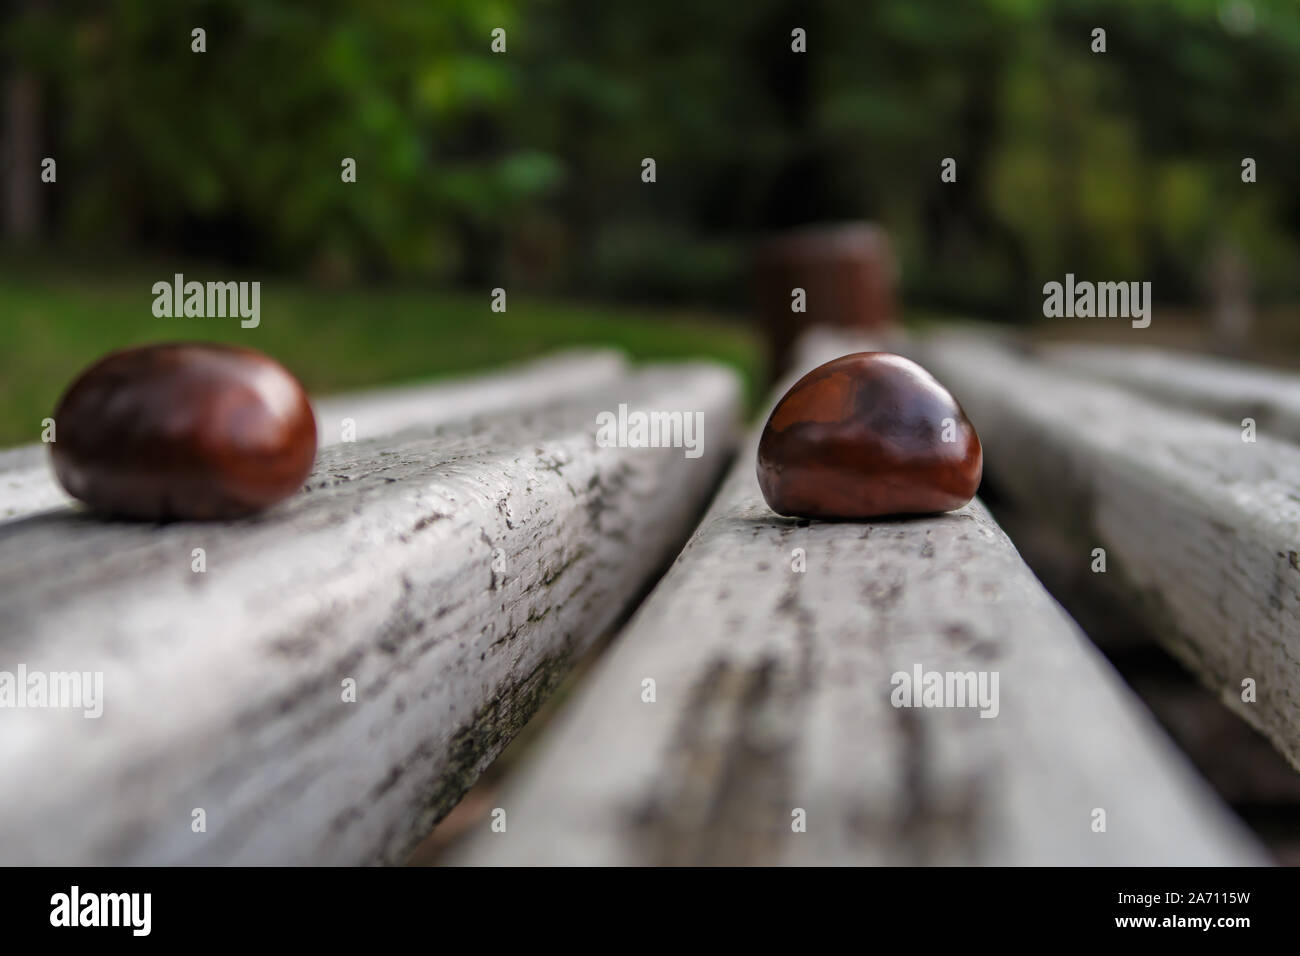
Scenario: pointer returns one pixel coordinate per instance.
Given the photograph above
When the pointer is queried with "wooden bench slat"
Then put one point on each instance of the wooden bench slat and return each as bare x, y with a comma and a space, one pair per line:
27, 484
773, 694
1201, 528
1226, 389
549, 379
223, 690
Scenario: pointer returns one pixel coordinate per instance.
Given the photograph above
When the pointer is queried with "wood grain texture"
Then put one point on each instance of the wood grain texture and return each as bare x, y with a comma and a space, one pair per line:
773, 694
1225, 389
451, 570
27, 483
1200, 529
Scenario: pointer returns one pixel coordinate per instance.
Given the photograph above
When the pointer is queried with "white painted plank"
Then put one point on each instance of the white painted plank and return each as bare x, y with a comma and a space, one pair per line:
1226, 389
451, 571
773, 695
1200, 527
27, 483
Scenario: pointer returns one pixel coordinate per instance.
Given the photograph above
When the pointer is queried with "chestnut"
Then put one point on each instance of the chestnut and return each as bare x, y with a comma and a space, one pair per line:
868, 435
183, 431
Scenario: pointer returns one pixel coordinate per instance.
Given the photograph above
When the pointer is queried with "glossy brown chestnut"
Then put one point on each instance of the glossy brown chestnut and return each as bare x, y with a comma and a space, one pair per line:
183, 431
863, 437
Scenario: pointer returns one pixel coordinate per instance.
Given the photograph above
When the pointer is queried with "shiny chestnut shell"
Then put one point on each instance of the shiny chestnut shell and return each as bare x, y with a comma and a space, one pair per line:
183, 431
863, 437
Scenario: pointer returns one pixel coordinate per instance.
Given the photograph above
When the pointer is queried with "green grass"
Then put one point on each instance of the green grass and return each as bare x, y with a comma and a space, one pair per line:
53, 324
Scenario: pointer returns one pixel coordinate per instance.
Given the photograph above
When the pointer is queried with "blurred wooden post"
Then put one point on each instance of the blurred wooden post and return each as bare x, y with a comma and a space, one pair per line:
21, 156
1230, 318
846, 271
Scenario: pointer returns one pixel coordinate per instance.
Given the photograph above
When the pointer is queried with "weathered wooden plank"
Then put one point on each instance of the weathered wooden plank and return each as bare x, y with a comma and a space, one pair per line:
1229, 390
1199, 527
550, 379
773, 695
451, 571
27, 484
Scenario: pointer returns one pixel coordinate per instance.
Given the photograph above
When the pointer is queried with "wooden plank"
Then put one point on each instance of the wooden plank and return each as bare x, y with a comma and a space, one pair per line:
452, 571
1228, 390
550, 379
773, 694
1199, 527
27, 484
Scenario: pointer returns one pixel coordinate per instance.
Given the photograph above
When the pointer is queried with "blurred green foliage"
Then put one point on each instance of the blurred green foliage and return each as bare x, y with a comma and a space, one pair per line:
524, 167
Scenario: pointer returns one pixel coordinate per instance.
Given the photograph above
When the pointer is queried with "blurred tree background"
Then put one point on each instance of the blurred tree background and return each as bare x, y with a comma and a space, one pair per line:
477, 169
